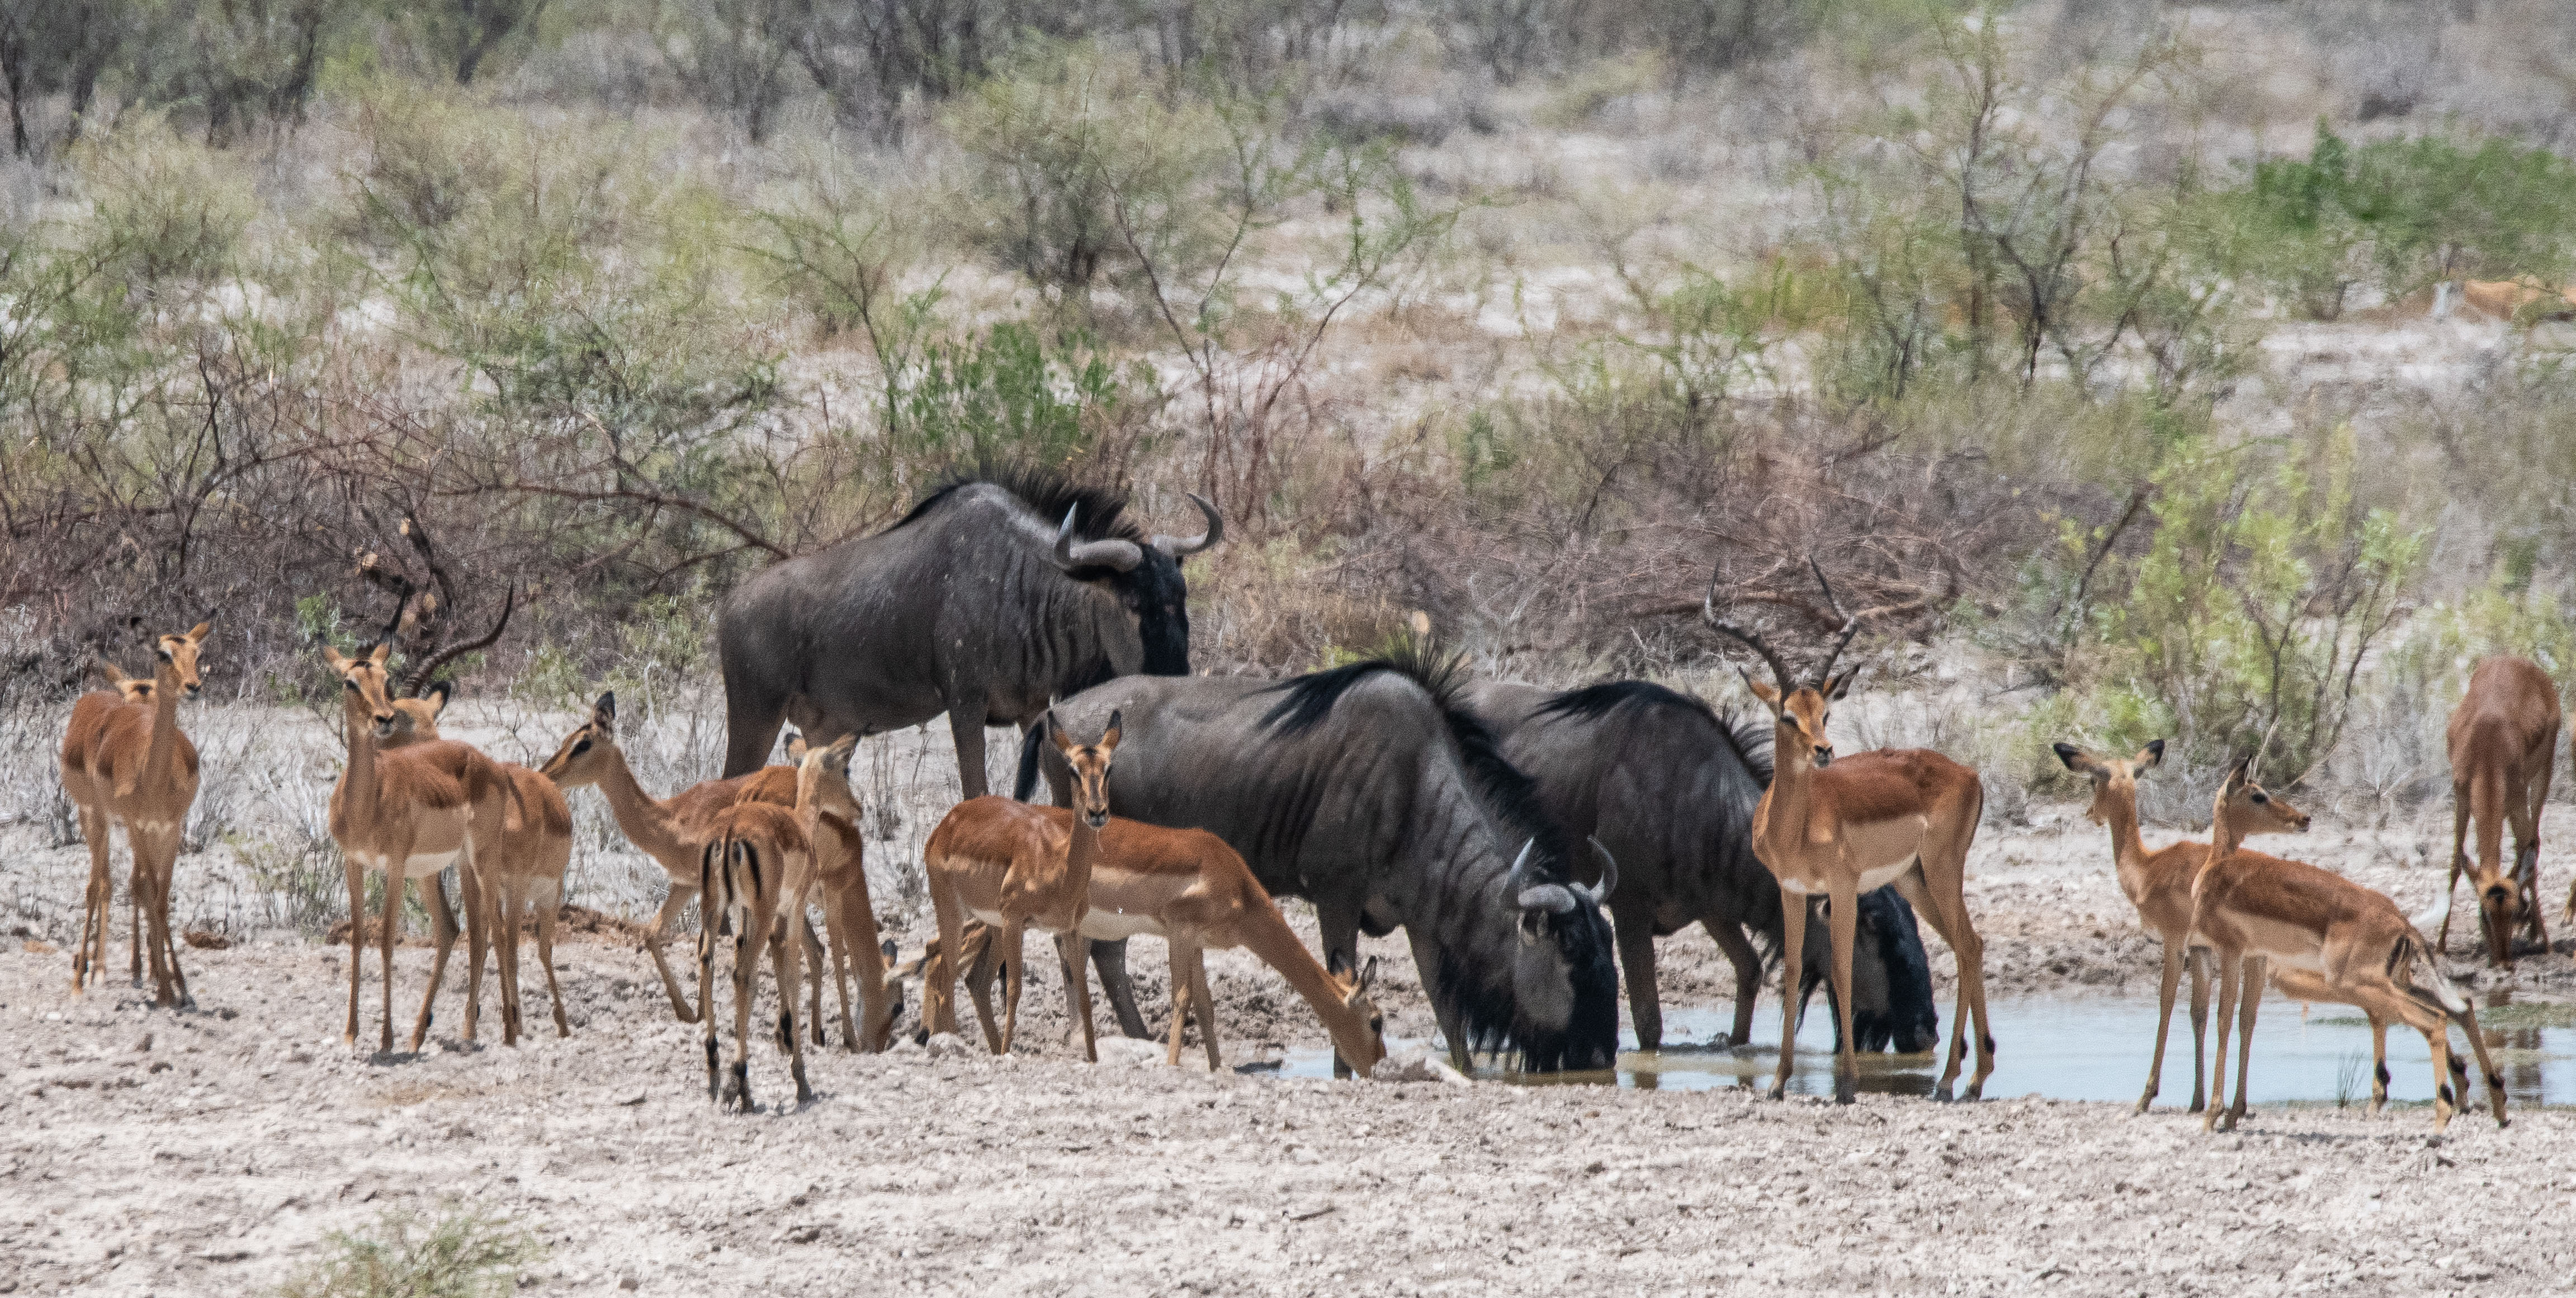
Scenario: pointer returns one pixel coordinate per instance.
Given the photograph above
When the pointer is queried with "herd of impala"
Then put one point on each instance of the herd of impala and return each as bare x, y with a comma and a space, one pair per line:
758, 850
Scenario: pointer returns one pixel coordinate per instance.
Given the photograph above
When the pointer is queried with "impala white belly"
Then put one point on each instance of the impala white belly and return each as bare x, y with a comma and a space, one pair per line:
992, 917
1869, 879
1117, 926
414, 867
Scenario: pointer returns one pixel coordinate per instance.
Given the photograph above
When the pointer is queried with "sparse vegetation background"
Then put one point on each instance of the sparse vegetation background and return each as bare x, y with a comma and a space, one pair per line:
2186, 370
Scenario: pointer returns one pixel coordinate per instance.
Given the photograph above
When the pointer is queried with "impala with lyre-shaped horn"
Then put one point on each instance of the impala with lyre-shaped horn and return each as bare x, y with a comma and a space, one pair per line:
2503, 742
125, 762
2255, 909
1896, 816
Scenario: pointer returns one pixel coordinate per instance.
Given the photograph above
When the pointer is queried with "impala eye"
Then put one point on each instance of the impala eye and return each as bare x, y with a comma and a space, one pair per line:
2260, 800
580, 748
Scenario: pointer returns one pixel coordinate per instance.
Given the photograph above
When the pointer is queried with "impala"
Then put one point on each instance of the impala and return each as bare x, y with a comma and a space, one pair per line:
2254, 908
2503, 740
125, 762
1012, 866
1896, 816
2158, 883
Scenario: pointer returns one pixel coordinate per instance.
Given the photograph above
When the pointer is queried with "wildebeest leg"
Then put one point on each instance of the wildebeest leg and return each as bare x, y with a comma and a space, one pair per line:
1110, 958
754, 709
966, 726
1426, 962
1748, 973
1634, 927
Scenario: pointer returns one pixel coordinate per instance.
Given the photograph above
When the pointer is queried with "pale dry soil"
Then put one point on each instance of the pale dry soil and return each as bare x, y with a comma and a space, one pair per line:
211, 1151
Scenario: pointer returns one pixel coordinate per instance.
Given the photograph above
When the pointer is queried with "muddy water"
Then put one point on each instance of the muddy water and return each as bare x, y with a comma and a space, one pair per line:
2097, 1048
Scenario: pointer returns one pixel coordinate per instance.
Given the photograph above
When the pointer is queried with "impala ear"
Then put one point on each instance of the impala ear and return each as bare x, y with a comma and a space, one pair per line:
2151, 756
438, 694
2076, 759
1109, 734
1055, 734
603, 714
1769, 694
1367, 978
2239, 775
844, 746
796, 748
197, 633
332, 656
384, 652
1837, 687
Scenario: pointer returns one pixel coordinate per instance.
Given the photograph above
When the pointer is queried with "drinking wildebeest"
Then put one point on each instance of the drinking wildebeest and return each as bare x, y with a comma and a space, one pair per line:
994, 596
1668, 787
1369, 791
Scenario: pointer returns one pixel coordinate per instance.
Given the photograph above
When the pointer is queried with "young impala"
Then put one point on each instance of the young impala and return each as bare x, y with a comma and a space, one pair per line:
125, 762
2254, 908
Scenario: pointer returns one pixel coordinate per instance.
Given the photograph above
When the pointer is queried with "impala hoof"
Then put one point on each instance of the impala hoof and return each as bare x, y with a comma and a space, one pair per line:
1778, 1091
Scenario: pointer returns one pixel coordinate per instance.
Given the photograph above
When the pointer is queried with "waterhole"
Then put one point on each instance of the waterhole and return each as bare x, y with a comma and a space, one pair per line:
2092, 1048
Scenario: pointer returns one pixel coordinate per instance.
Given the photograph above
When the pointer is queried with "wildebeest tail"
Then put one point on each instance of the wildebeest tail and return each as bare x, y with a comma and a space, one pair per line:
1025, 788
2413, 953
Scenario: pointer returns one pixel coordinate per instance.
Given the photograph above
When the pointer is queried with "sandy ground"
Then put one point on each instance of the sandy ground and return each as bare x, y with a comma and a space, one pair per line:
146, 1151
143, 1151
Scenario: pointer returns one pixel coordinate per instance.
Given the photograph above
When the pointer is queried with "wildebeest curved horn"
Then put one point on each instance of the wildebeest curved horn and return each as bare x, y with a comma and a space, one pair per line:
1177, 546
1554, 898
1113, 553
1600, 892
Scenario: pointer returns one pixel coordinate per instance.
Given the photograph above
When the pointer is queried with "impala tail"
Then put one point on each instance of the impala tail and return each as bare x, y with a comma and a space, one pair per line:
2412, 963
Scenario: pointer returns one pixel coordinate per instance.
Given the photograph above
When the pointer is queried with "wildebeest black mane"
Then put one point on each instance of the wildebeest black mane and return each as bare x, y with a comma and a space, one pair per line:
1100, 513
1748, 736
1486, 1013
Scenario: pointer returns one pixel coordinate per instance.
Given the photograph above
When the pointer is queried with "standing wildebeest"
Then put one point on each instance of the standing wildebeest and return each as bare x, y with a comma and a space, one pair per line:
1369, 791
1668, 788
994, 596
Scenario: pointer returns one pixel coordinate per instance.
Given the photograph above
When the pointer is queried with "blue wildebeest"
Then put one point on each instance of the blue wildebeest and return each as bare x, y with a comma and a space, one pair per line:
1668, 787
994, 596
1369, 791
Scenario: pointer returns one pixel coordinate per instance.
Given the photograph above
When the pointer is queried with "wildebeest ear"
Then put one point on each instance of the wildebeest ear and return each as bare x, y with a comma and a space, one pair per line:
796, 748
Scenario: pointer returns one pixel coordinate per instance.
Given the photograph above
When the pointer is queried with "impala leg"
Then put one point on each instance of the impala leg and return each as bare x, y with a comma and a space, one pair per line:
502, 894
2525, 815
1634, 928
478, 944
746, 974
442, 924
2459, 858
836, 932
1207, 1008
2468, 1021
1009, 945
1843, 924
1338, 924
706, 951
1910, 886
673, 903
391, 923
2229, 972
1069, 950
983, 957
155, 902
939, 976
2250, 986
549, 912
877, 1006
1183, 991
97, 901
1793, 947
357, 937
2199, 959
134, 888
787, 951
2165, 989
813, 957
2379, 1064
169, 944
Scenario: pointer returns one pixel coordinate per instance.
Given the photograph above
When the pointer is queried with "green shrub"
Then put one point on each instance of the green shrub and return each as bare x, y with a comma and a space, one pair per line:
464, 1253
